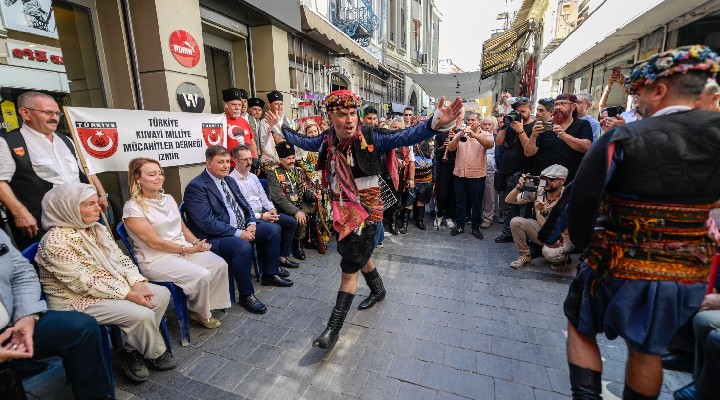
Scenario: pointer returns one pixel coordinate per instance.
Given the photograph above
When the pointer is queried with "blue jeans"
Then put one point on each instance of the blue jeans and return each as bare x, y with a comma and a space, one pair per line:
380, 235
474, 189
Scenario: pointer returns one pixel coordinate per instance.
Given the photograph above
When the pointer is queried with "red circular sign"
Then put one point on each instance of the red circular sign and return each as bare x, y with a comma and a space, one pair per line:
184, 48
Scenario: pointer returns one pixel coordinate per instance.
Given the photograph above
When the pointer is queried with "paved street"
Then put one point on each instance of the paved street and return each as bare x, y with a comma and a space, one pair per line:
457, 323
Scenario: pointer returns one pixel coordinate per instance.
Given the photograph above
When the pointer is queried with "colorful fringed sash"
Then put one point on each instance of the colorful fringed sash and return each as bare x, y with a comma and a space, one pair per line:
644, 241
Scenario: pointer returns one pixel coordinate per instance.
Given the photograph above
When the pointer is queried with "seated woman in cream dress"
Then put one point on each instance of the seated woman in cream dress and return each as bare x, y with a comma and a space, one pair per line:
82, 269
166, 249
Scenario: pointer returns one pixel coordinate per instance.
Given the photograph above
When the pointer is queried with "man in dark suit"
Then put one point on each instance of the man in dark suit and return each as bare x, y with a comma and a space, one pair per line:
218, 212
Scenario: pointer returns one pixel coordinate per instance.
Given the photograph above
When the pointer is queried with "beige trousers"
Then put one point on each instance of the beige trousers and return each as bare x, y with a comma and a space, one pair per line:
203, 277
523, 229
489, 198
139, 324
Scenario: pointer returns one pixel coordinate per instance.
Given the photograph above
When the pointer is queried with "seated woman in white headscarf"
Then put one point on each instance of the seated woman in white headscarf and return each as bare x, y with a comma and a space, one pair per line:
82, 269
166, 249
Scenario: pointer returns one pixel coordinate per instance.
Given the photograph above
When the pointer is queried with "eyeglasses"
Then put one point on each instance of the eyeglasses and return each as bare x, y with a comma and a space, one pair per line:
47, 113
562, 103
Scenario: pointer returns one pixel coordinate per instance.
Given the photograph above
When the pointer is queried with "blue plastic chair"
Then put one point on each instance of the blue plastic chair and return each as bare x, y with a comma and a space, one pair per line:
179, 298
263, 182
29, 253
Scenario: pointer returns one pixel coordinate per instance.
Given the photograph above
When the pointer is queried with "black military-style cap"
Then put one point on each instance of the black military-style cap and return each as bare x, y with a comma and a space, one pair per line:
284, 149
231, 94
255, 102
274, 96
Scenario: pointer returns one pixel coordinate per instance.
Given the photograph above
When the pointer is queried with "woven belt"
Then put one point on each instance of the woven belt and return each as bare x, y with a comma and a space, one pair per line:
647, 241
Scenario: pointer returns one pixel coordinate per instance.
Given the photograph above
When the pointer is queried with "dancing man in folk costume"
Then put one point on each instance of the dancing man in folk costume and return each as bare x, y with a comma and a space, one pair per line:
349, 157
640, 204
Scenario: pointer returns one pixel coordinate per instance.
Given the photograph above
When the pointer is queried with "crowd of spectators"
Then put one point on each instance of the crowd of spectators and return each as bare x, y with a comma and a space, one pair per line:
517, 162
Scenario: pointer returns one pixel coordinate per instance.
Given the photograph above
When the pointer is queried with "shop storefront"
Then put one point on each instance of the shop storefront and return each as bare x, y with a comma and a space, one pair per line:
54, 49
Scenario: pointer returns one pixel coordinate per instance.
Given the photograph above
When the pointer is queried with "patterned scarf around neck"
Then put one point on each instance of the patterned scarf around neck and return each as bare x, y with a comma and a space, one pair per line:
348, 212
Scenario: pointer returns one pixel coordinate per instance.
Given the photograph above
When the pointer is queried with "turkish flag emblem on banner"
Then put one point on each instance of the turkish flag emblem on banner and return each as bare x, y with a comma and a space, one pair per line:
99, 139
213, 134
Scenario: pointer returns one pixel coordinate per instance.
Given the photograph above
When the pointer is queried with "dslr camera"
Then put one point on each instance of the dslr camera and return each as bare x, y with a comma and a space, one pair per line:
512, 116
529, 189
532, 183
255, 165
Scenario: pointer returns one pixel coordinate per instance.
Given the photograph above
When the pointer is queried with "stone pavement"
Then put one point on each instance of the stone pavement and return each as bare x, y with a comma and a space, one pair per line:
457, 323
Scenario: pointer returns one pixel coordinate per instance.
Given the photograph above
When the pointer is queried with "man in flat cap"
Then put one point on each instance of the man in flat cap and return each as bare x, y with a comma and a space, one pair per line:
267, 139
350, 160
238, 128
255, 113
544, 192
640, 202
292, 194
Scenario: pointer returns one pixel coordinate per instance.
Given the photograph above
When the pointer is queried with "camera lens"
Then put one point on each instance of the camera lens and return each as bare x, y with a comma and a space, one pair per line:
463, 139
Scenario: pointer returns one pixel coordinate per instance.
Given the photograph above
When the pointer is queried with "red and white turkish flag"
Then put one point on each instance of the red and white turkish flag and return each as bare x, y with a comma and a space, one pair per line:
213, 134
99, 139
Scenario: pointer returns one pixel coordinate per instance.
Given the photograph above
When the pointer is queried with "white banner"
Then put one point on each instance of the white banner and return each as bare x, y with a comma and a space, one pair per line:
110, 138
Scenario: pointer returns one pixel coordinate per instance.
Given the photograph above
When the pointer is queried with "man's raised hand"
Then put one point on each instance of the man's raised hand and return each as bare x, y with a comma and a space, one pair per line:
448, 113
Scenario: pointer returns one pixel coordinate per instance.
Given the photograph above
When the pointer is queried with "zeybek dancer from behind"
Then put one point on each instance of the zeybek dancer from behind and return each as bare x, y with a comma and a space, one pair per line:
350, 162
640, 203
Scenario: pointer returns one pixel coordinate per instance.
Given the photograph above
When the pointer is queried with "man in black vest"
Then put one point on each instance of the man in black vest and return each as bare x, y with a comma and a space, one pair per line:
640, 203
350, 160
32, 160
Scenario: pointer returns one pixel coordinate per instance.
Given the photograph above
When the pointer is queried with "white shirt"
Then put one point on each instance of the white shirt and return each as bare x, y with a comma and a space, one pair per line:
252, 190
629, 116
51, 160
490, 159
267, 143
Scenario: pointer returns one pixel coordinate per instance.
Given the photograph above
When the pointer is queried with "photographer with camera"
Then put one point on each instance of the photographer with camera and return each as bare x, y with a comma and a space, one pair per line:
544, 191
470, 146
516, 130
564, 140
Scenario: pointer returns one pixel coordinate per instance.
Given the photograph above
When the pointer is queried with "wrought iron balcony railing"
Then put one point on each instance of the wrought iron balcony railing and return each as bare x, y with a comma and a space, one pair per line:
359, 22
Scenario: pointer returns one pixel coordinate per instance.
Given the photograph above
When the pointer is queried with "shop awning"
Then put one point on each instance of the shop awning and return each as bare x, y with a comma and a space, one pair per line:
28, 78
501, 52
467, 85
321, 30
607, 30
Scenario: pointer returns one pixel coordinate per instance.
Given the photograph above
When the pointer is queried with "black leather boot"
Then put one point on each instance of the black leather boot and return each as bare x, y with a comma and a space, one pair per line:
392, 224
585, 384
377, 289
420, 217
404, 216
630, 394
327, 339
297, 250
